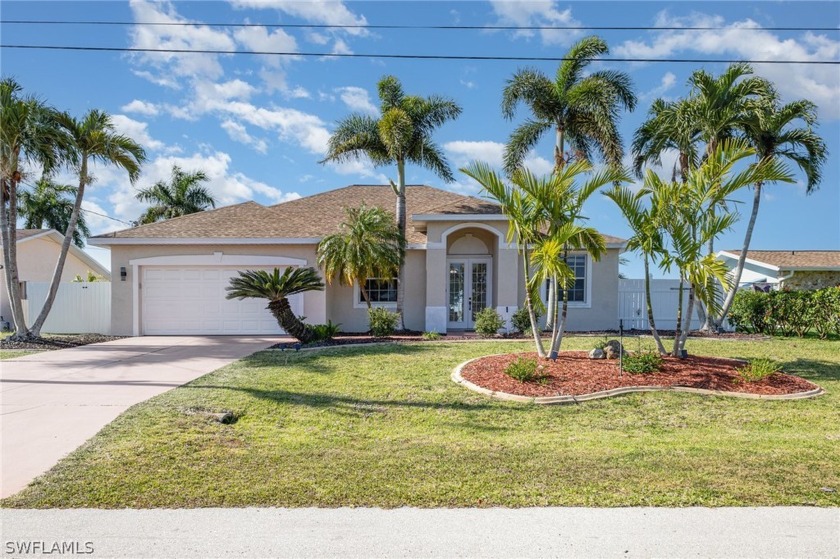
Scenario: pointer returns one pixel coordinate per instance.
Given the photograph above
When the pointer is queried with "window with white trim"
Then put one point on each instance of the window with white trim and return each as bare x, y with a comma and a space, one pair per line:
380, 291
577, 291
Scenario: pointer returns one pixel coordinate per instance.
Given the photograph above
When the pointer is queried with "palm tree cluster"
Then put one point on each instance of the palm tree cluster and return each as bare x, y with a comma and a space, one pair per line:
36, 136
182, 195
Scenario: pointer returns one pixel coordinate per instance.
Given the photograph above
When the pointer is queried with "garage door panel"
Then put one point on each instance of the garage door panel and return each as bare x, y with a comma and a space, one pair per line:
191, 300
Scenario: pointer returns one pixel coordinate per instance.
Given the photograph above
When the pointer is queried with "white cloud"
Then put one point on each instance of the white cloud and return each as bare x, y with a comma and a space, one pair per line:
361, 168
464, 152
308, 130
820, 84
135, 130
316, 11
537, 13
259, 39
141, 107
665, 84
239, 133
357, 99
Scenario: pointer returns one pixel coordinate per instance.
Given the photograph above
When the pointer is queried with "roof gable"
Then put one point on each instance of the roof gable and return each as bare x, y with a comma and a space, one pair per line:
792, 259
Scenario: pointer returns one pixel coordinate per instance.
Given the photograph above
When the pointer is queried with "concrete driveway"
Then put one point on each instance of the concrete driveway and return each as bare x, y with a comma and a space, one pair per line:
52, 402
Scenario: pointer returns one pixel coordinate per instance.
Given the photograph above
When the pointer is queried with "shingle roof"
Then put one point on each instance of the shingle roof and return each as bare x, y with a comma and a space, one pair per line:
26, 233
794, 259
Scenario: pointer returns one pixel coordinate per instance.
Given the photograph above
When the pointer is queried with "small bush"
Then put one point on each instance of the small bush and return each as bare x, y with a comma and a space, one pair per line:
325, 332
521, 322
787, 312
431, 336
749, 311
488, 322
382, 322
642, 362
758, 369
524, 370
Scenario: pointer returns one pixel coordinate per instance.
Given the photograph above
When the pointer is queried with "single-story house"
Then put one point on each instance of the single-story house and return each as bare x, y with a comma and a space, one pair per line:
37, 255
173, 273
792, 269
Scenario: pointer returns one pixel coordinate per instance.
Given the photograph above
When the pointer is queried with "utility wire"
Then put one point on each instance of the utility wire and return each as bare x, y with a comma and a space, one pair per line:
419, 27
418, 56
32, 189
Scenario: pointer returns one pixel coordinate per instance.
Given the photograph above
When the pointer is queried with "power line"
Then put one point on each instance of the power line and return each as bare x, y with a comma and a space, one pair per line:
418, 56
419, 27
32, 189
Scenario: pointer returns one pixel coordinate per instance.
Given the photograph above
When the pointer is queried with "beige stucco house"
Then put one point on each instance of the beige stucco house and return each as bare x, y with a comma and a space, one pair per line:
791, 269
37, 255
170, 277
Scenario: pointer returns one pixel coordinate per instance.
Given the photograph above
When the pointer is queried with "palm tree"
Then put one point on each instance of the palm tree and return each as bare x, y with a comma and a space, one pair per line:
368, 246
582, 110
30, 134
670, 126
48, 205
771, 129
277, 287
402, 134
647, 239
94, 139
182, 195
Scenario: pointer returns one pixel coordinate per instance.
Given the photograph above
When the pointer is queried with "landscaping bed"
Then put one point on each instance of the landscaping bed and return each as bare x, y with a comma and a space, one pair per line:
574, 373
57, 342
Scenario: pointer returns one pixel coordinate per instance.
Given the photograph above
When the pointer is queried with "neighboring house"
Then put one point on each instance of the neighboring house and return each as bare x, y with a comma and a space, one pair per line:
37, 255
175, 272
792, 269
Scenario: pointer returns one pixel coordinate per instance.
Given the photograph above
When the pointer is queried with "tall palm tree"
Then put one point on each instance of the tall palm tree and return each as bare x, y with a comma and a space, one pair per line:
402, 134
30, 134
771, 128
47, 205
670, 126
277, 287
94, 139
369, 245
581, 109
182, 195
644, 221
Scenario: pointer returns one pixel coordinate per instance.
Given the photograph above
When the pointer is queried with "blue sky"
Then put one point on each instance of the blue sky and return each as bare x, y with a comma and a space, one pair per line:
258, 125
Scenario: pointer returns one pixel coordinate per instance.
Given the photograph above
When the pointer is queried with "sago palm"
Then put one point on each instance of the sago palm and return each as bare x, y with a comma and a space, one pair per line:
48, 205
369, 245
785, 132
94, 139
582, 110
181, 195
276, 288
402, 134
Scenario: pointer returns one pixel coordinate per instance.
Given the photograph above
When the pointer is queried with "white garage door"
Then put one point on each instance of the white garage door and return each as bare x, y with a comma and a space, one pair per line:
191, 300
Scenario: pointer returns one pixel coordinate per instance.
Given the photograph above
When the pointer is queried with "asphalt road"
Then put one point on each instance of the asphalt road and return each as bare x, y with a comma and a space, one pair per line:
532, 532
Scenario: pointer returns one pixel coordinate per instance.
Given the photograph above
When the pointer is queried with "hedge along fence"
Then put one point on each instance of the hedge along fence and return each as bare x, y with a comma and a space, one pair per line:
787, 312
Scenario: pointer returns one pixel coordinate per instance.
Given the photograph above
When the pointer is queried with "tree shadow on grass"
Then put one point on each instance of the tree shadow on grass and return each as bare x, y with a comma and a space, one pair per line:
276, 358
813, 369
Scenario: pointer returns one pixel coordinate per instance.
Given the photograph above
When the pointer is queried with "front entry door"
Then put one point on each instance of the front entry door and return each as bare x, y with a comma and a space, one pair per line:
469, 290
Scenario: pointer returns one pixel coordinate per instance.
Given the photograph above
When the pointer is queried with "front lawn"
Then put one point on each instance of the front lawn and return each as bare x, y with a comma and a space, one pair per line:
385, 426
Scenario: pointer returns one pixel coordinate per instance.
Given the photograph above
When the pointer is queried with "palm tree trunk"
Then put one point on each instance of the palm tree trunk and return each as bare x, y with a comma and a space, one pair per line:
8, 230
559, 162
401, 224
687, 326
535, 328
708, 320
551, 305
649, 306
287, 320
65, 246
364, 293
678, 326
742, 258
557, 338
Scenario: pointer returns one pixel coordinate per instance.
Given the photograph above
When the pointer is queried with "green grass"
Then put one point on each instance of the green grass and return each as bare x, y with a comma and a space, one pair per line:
385, 426
12, 353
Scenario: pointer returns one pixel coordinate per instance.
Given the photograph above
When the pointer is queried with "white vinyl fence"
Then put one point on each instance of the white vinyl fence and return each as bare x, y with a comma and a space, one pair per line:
664, 294
79, 308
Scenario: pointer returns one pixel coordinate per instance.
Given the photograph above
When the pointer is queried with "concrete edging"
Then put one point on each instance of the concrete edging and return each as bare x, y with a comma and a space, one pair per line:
569, 399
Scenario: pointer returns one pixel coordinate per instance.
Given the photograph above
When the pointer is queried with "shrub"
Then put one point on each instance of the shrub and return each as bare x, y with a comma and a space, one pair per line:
488, 322
382, 322
431, 336
521, 322
523, 370
642, 362
824, 311
787, 312
325, 332
758, 369
749, 311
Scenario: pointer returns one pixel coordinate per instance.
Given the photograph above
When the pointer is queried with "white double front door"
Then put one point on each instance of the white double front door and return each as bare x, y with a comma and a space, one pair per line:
469, 289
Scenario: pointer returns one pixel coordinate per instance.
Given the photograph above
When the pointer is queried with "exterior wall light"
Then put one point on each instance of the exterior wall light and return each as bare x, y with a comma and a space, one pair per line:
123, 273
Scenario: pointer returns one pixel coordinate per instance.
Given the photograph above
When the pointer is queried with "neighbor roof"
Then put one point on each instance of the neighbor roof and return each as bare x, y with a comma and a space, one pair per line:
24, 235
794, 259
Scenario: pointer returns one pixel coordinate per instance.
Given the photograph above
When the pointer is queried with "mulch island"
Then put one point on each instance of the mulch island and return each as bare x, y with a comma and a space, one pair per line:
575, 374
58, 341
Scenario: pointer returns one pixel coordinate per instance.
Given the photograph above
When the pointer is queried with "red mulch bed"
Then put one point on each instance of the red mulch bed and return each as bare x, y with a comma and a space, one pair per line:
575, 374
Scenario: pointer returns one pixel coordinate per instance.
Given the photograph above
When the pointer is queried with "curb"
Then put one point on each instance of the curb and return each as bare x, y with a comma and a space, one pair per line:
569, 399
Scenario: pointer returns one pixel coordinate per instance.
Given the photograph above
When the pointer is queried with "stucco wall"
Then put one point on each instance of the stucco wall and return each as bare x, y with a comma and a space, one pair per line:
122, 308
809, 280
36, 263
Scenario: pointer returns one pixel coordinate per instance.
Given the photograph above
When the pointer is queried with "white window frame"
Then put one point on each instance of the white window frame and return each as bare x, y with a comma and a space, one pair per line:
359, 302
587, 291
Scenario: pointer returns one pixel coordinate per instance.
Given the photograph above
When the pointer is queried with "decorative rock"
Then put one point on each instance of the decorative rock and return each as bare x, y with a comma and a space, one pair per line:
597, 354
613, 349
